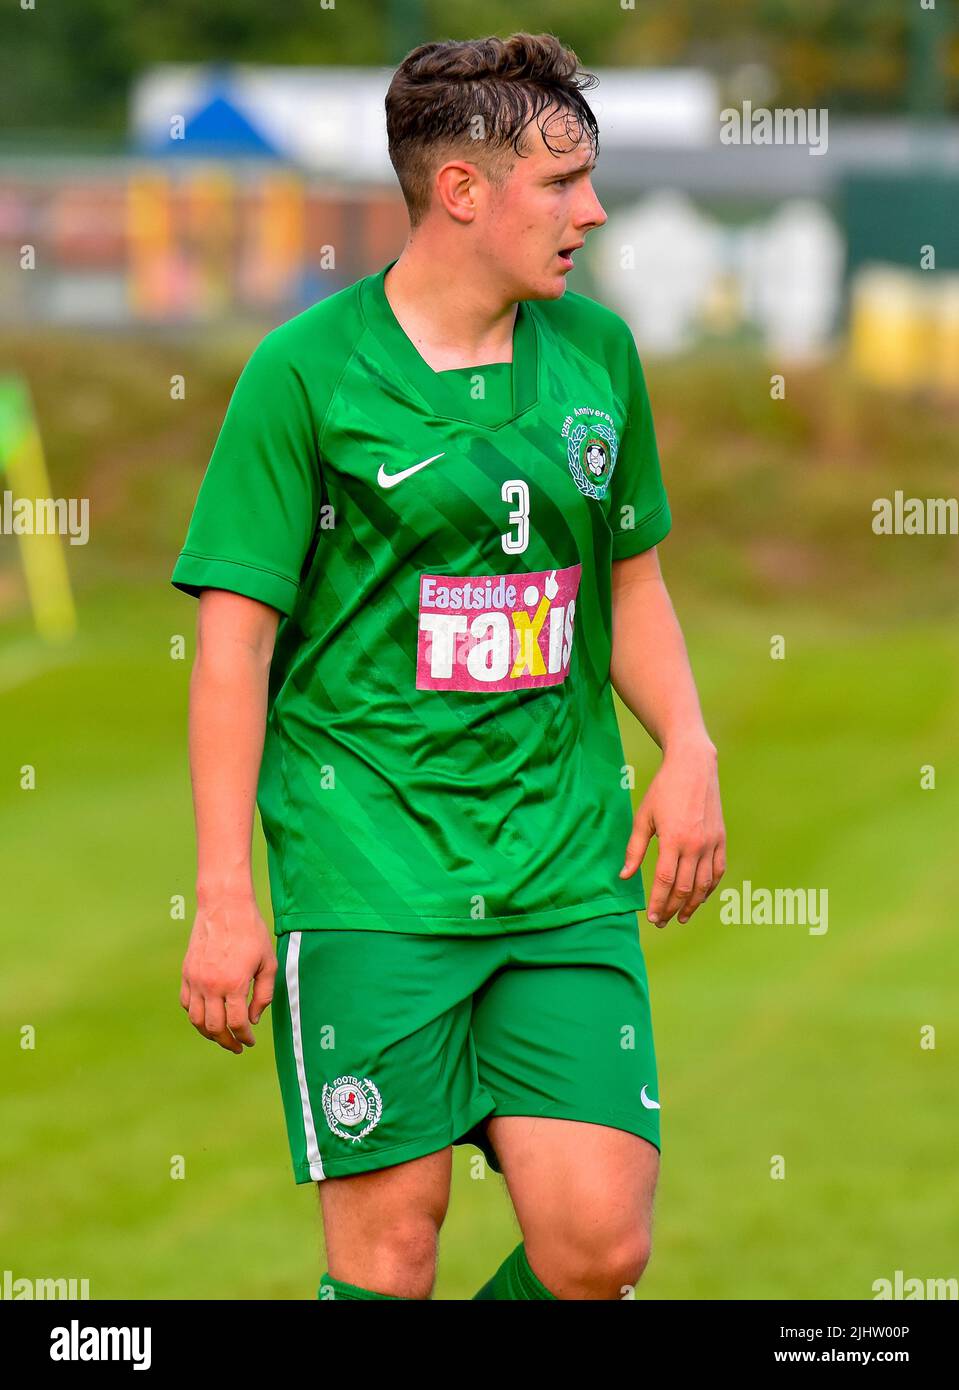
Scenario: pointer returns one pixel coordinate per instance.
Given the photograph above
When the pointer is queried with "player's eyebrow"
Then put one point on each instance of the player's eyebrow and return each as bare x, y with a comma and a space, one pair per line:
586, 168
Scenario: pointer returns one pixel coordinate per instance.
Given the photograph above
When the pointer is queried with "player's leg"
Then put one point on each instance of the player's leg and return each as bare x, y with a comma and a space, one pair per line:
378, 1076
564, 1042
583, 1196
382, 1228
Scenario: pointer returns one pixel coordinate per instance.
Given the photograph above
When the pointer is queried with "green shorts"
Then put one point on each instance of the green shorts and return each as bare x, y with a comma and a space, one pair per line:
391, 1045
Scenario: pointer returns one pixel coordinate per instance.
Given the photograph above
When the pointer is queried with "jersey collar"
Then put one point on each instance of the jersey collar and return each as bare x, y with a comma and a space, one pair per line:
443, 395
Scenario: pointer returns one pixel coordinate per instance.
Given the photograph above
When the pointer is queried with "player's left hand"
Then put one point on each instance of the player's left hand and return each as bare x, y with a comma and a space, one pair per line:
682, 809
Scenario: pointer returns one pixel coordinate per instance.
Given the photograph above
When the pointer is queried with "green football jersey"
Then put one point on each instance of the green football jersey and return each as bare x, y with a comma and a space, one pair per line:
442, 753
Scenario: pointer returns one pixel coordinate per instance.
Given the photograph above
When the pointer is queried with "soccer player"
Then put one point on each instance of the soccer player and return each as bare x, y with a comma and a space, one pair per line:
425, 550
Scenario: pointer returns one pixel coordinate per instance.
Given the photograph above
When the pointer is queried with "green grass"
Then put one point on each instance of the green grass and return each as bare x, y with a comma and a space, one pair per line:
770, 1041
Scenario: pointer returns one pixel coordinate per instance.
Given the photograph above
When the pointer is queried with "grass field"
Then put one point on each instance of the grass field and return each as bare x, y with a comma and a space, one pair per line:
771, 1041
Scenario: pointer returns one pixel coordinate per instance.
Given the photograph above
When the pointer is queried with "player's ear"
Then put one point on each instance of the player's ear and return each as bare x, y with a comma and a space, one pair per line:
456, 187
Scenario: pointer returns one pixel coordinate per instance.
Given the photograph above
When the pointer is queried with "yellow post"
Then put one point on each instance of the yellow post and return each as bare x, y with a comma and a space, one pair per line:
44, 562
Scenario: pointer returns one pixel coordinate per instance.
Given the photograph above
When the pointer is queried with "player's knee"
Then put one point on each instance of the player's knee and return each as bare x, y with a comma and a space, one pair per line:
629, 1258
604, 1261
404, 1253
620, 1263
620, 1259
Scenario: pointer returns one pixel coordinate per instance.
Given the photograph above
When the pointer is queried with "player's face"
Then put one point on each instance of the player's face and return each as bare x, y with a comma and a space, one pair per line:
545, 211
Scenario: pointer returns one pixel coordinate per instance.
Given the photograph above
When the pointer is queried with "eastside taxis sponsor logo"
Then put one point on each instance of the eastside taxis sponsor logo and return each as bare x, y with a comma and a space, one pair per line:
501, 632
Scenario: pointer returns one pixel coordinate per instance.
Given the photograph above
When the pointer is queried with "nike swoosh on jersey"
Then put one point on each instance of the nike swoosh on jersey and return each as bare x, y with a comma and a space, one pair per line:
649, 1104
391, 479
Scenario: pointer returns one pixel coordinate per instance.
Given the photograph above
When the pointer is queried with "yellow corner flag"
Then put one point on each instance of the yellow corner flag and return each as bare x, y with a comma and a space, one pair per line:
41, 547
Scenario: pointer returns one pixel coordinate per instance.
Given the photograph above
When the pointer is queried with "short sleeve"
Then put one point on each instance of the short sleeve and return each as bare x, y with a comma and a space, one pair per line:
639, 514
257, 508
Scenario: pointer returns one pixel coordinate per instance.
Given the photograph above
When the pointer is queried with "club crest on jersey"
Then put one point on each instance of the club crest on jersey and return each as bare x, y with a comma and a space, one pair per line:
352, 1107
591, 448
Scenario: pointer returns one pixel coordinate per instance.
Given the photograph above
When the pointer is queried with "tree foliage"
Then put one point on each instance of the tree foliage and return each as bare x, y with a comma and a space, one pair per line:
68, 64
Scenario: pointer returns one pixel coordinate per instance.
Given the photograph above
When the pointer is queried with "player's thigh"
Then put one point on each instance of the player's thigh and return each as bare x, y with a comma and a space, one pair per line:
388, 1217
586, 1190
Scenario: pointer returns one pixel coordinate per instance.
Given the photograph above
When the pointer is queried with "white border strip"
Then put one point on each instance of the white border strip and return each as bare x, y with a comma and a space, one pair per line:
293, 994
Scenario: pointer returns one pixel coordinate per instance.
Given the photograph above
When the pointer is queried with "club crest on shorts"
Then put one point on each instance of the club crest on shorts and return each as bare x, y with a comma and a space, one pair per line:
352, 1107
591, 448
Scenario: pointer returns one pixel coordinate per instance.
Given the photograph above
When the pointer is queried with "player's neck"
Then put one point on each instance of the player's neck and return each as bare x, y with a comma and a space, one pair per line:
451, 317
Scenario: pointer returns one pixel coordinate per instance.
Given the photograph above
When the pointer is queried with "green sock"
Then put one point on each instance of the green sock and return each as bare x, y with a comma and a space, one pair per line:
514, 1279
331, 1289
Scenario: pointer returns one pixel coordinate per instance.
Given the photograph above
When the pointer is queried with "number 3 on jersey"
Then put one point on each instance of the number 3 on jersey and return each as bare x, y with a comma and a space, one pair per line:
516, 491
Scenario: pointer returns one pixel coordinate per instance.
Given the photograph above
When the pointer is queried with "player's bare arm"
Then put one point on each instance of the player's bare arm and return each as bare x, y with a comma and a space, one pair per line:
650, 672
230, 945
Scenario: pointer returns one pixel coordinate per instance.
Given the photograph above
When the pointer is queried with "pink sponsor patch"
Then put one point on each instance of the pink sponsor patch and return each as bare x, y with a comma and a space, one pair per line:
496, 632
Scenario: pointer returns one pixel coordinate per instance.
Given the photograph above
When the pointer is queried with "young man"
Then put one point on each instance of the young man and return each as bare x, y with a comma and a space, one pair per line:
425, 550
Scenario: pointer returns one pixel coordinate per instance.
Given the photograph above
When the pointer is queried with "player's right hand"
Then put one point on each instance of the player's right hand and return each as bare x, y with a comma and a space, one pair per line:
230, 947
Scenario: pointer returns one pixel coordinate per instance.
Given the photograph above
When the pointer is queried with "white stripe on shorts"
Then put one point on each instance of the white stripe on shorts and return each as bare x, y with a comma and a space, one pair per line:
293, 994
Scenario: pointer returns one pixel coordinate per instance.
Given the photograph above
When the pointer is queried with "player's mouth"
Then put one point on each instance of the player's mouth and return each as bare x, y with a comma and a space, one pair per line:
566, 255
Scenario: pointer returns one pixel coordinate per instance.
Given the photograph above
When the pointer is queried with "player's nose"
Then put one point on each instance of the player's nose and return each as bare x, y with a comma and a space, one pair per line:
591, 213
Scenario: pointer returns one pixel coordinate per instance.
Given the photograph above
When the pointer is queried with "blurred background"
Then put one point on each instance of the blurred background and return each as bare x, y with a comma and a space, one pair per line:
781, 179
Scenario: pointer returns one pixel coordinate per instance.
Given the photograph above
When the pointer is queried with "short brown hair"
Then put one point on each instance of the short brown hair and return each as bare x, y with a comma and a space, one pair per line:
442, 93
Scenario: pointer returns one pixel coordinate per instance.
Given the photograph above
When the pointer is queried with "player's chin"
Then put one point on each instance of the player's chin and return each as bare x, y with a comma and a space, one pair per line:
549, 287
